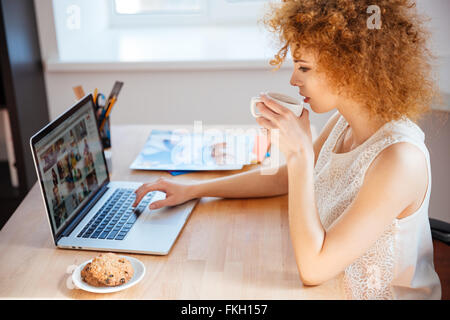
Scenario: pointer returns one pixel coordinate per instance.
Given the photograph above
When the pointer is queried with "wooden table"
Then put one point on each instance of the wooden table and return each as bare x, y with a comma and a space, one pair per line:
229, 248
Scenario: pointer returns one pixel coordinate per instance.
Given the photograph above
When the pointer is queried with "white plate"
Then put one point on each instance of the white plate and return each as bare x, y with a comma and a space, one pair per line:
139, 272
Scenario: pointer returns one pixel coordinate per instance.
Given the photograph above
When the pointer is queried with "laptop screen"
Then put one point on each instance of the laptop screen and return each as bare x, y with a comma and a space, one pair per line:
71, 164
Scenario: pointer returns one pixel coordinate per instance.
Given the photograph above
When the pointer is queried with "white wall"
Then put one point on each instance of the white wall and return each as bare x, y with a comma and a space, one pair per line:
439, 26
175, 97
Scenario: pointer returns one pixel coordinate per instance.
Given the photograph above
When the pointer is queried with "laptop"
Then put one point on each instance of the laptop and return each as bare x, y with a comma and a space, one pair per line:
85, 209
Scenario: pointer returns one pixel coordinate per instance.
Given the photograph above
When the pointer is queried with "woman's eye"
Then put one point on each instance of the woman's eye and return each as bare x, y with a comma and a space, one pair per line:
304, 69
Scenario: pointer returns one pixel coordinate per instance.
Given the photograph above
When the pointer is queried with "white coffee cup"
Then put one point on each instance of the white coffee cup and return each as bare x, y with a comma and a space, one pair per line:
286, 101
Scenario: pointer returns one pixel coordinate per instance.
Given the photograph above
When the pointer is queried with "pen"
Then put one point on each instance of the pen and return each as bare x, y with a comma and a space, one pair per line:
95, 95
108, 111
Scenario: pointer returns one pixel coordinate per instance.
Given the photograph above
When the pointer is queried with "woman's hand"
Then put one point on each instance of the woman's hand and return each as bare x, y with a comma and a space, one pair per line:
294, 132
176, 193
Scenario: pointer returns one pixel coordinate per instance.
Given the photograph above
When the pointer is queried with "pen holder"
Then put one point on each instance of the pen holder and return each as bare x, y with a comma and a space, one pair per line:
105, 134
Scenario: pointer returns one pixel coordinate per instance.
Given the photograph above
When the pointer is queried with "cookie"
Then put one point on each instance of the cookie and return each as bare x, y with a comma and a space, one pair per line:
107, 270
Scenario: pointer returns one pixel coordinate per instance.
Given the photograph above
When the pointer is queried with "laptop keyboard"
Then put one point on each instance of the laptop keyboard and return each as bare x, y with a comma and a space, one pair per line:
116, 217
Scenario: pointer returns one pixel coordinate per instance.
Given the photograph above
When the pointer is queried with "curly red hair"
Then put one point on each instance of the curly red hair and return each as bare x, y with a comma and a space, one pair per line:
388, 69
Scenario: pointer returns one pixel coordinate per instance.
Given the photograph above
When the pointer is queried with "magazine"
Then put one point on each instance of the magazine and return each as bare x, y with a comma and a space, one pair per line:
173, 150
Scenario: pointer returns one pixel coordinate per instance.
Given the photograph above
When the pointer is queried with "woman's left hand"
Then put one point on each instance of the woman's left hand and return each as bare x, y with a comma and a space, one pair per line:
295, 139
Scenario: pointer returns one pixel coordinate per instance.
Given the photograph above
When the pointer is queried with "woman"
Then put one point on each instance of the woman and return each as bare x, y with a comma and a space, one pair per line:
359, 194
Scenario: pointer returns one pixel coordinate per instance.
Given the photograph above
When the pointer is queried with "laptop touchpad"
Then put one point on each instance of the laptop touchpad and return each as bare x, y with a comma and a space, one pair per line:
164, 216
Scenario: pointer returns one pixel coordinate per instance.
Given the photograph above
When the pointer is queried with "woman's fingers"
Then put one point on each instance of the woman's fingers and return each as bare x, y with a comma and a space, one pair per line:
159, 204
305, 114
265, 123
142, 191
273, 106
266, 112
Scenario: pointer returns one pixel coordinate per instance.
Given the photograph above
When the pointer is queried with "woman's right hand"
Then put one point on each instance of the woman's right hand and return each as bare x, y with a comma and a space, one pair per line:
176, 192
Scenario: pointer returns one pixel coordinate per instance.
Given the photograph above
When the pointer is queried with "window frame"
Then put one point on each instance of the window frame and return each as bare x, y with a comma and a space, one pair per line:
214, 12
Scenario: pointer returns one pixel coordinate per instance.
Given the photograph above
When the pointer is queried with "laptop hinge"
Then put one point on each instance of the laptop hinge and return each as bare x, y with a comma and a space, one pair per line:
71, 226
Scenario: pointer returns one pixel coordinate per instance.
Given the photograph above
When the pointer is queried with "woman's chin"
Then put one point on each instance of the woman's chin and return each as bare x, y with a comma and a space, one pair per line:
313, 108
316, 109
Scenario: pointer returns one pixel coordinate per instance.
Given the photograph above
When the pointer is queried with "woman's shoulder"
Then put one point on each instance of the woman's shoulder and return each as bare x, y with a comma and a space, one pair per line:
405, 129
405, 163
402, 154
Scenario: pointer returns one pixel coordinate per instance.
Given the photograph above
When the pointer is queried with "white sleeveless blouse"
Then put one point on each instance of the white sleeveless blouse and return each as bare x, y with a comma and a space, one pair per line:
399, 265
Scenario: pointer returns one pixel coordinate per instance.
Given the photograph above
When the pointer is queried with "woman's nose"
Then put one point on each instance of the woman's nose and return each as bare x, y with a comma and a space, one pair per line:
292, 82
295, 82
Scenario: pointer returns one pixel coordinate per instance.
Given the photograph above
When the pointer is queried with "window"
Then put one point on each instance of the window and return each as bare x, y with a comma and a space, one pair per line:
158, 6
133, 13
160, 31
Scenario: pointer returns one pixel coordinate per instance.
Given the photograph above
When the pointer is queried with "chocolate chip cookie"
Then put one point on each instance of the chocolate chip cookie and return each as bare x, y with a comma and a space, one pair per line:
107, 270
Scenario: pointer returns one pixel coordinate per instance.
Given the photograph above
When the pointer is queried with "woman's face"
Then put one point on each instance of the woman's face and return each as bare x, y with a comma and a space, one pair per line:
313, 85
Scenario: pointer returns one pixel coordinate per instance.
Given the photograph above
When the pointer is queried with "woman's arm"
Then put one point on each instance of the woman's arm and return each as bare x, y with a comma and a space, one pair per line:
249, 184
395, 180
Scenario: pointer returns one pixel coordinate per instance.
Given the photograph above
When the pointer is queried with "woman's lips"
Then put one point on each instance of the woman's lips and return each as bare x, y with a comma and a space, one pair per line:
305, 98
